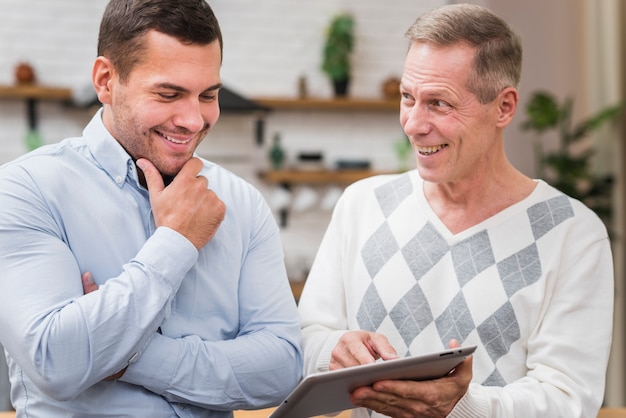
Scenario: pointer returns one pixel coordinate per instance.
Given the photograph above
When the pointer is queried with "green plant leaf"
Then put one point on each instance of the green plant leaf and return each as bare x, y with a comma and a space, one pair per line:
542, 111
338, 47
596, 121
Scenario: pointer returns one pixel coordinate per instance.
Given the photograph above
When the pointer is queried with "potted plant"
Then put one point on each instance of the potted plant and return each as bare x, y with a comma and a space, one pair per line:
337, 49
568, 168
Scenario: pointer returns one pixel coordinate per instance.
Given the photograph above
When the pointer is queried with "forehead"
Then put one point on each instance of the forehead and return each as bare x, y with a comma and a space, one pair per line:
427, 63
158, 44
166, 56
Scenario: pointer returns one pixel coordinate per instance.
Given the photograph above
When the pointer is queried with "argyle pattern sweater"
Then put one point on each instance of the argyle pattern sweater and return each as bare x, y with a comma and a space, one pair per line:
532, 287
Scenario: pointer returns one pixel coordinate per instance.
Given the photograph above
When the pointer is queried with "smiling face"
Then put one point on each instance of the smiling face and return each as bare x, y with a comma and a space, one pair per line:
168, 103
454, 136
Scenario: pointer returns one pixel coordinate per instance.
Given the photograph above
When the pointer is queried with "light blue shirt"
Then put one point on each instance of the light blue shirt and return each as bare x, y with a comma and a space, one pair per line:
202, 332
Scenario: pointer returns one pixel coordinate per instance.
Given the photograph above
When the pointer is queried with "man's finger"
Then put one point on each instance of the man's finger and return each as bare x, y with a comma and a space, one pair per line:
191, 168
154, 180
88, 284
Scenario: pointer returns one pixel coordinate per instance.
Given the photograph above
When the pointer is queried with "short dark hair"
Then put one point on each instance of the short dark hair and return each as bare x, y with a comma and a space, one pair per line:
126, 22
498, 60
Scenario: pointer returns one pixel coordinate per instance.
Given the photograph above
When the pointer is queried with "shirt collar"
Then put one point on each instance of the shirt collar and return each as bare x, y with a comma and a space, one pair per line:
109, 154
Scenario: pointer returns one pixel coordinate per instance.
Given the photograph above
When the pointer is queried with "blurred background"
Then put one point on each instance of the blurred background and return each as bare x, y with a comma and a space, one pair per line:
281, 103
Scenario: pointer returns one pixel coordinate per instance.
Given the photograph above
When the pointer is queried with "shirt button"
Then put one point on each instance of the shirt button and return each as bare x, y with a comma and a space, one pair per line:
181, 406
118, 179
133, 358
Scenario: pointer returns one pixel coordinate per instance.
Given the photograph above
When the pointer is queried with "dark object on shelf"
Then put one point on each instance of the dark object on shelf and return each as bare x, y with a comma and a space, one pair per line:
233, 102
311, 157
310, 160
341, 87
353, 164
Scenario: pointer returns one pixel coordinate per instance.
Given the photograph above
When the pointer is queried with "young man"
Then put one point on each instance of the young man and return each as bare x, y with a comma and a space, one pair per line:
464, 250
187, 309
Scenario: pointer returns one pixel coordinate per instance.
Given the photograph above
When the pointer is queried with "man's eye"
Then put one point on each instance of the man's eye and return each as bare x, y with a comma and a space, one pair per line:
208, 97
168, 96
440, 103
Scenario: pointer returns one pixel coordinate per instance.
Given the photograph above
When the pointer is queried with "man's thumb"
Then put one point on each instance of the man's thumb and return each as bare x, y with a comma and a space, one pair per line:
154, 181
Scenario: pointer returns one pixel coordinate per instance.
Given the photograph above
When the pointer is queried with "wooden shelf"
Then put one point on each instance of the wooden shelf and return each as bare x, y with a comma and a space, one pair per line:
317, 177
390, 105
35, 92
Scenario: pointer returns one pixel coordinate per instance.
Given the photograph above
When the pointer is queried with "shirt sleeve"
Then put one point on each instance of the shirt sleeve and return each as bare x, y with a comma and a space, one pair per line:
256, 369
43, 311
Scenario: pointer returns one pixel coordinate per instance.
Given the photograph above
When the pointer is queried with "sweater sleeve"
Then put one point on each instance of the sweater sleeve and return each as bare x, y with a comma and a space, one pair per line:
322, 305
568, 352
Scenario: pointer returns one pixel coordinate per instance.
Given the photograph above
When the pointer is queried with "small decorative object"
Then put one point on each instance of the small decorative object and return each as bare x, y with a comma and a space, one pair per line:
277, 154
24, 73
337, 49
303, 90
391, 88
357, 164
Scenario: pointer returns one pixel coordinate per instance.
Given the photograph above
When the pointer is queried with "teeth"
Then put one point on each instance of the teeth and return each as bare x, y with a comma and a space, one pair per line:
430, 150
176, 141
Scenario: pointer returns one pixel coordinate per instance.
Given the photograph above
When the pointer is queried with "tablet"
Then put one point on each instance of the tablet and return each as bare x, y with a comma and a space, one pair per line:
328, 392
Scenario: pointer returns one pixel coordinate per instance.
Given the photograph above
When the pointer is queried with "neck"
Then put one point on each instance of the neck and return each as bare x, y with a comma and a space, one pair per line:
465, 204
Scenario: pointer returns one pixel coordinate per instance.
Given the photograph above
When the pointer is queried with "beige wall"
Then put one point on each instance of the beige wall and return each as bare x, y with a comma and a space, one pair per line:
575, 48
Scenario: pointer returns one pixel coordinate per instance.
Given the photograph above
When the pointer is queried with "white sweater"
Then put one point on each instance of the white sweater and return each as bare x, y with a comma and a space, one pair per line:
532, 287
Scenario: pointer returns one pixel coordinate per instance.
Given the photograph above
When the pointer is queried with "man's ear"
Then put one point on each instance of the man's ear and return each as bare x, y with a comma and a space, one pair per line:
507, 105
102, 75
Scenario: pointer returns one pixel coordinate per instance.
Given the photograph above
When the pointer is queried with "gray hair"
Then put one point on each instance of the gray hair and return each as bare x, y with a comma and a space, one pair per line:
498, 60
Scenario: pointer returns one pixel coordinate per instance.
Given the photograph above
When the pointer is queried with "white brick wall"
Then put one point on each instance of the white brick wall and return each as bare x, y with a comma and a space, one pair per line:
268, 45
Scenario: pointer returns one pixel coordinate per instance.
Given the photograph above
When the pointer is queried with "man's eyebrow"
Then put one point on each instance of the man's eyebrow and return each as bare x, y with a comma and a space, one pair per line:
184, 90
215, 87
